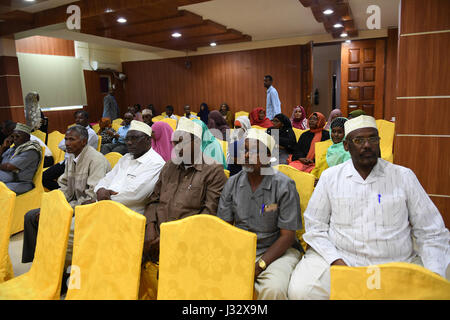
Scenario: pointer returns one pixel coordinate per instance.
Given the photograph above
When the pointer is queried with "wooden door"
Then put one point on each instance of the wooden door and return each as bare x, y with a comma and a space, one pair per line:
306, 76
362, 77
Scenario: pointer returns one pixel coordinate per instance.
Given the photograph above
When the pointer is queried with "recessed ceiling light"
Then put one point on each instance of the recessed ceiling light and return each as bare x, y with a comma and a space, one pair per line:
108, 10
213, 44
344, 34
176, 34
348, 41
30, 0
338, 25
328, 11
121, 20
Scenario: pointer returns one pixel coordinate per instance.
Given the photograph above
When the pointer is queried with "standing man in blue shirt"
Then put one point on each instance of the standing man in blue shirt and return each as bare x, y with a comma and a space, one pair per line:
273, 105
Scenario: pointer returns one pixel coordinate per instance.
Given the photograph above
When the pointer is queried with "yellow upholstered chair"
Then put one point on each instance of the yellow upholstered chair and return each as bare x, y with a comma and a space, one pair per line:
227, 173
203, 257
391, 281
157, 118
321, 149
171, 122
7, 201
113, 158
224, 145
304, 183
29, 200
241, 114
116, 126
71, 125
54, 139
96, 127
386, 131
99, 143
39, 134
298, 132
107, 250
117, 121
43, 281
258, 127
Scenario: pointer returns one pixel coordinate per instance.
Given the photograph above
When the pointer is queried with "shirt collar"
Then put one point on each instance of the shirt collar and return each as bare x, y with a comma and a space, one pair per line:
266, 182
145, 158
351, 172
76, 159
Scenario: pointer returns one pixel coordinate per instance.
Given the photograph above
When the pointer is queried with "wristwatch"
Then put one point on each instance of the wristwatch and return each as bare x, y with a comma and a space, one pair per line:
262, 264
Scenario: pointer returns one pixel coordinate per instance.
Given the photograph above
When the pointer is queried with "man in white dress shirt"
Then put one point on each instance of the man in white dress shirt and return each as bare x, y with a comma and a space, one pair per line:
273, 104
366, 211
132, 180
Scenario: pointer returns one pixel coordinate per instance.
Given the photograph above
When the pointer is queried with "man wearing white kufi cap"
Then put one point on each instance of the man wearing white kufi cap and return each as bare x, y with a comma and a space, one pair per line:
18, 164
264, 201
365, 212
190, 183
133, 178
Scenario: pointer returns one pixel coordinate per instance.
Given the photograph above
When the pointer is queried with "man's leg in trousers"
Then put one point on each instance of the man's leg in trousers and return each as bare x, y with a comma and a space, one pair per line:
51, 175
273, 283
30, 226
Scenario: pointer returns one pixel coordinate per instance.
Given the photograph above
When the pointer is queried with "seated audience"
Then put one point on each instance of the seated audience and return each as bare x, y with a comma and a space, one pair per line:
51, 175
188, 114
210, 146
364, 212
286, 137
203, 114
264, 201
298, 118
169, 113
216, 121
84, 168
147, 116
304, 152
189, 184
235, 144
118, 144
133, 178
356, 113
137, 112
258, 118
333, 115
6, 129
20, 162
226, 114
162, 139
106, 131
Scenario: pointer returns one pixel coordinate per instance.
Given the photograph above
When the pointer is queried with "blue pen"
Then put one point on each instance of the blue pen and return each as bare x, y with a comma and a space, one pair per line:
379, 198
262, 209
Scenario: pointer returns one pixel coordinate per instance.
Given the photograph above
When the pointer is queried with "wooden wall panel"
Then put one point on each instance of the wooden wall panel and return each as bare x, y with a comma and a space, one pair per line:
236, 78
390, 93
443, 205
46, 45
428, 158
9, 65
424, 16
10, 91
425, 67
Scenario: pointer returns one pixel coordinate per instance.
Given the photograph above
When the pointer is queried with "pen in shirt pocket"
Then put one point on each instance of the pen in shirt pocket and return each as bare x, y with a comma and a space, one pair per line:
379, 198
262, 208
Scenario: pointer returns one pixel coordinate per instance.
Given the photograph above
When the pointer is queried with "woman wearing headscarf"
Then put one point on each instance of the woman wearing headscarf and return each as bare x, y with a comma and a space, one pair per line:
216, 121
203, 113
258, 118
304, 152
227, 115
298, 118
333, 115
286, 136
210, 146
162, 139
235, 144
106, 131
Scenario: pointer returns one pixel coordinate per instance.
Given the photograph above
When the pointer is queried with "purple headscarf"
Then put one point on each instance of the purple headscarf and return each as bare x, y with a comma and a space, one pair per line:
162, 139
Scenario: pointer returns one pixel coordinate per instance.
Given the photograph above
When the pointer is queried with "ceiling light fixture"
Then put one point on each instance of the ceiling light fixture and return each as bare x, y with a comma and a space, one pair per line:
338, 25
213, 44
328, 12
121, 20
176, 34
348, 41
108, 10
30, 0
344, 34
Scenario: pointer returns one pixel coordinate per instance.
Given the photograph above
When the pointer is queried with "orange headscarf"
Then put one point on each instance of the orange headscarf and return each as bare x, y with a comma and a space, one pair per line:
317, 134
104, 123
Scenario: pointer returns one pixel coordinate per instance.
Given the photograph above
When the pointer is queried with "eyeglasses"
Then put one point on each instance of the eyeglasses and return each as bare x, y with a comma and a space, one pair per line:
362, 141
133, 138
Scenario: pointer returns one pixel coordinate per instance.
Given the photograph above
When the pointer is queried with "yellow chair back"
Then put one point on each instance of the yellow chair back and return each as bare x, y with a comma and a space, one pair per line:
386, 131
99, 143
29, 200
391, 281
109, 263
241, 114
227, 173
96, 127
258, 127
113, 158
115, 126
117, 121
224, 145
43, 280
171, 122
321, 149
71, 125
157, 118
54, 139
304, 183
7, 202
203, 257
39, 134
298, 132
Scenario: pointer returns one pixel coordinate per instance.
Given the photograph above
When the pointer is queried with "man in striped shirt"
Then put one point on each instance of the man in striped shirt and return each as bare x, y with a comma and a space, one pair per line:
366, 211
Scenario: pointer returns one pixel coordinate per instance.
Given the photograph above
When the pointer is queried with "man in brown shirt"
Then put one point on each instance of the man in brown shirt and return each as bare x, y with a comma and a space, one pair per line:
189, 184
